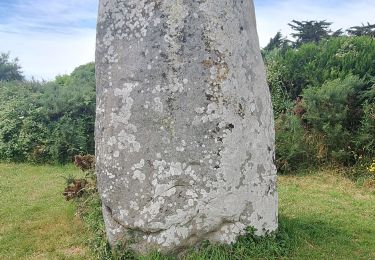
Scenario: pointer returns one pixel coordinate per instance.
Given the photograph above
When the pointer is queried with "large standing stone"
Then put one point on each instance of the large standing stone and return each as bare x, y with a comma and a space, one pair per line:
184, 132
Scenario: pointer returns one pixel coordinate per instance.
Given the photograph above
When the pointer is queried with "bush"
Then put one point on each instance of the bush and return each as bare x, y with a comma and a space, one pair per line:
291, 149
48, 122
21, 127
313, 64
327, 126
322, 96
365, 138
331, 112
281, 101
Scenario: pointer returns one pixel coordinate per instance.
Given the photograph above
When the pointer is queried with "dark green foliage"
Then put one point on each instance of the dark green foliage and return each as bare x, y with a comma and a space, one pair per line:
332, 112
311, 31
337, 33
277, 42
362, 30
21, 129
314, 64
48, 122
281, 100
323, 96
365, 139
291, 149
329, 125
9, 69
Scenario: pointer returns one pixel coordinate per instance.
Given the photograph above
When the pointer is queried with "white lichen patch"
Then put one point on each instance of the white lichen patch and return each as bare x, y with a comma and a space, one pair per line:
139, 165
158, 105
180, 149
138, 175
199, 110
128, 141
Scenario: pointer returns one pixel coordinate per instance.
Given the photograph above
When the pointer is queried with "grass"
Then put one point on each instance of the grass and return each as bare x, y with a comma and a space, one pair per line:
329, 216
323, 215
35, 220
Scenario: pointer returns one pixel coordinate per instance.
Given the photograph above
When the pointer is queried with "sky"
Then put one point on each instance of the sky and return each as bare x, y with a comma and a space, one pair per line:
52, 37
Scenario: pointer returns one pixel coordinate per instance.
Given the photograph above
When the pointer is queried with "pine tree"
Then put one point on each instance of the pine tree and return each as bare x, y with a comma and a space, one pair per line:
277, 42
311, 31
362, 30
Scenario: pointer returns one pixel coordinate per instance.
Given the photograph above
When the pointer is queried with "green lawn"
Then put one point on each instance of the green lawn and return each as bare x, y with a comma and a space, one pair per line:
328, 216
35, 220
323, 216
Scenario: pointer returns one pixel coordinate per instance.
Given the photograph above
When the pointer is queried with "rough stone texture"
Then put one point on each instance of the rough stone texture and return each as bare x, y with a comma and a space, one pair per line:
184, 132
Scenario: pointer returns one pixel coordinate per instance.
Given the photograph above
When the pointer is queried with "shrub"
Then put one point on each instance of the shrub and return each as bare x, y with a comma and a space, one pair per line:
365, 138
313, 64
48, 122
291, 149
328, 124
21, 127
329, 112
280, 99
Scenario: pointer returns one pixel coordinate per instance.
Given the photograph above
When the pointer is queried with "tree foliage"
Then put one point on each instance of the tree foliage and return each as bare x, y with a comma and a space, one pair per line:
311, 31
362, 30
332, 111
277, 42
9, 69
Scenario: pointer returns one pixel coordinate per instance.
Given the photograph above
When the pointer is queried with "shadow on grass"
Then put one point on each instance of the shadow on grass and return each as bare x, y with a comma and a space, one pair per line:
293, 234
305, 230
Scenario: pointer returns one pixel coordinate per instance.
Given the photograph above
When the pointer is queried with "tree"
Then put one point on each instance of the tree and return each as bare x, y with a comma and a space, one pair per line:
311, 31
277, 42
362, 30
9, 69
337, 33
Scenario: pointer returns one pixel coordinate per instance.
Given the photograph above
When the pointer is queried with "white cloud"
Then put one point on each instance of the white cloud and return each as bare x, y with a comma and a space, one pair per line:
45, 56
54, 16
50, 37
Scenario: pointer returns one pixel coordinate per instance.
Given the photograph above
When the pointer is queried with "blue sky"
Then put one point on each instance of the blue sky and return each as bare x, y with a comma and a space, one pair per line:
52, 37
